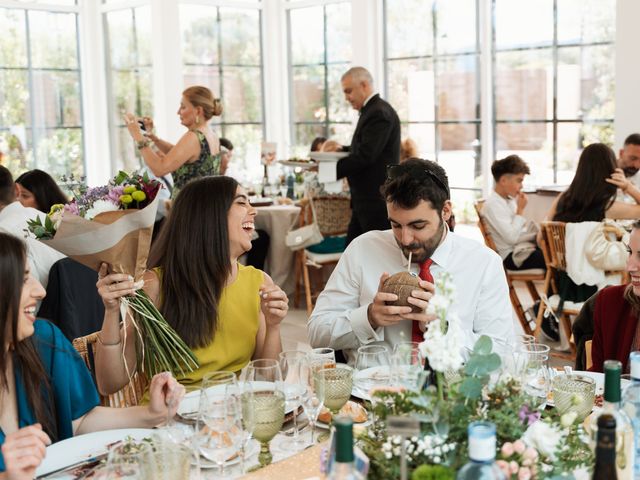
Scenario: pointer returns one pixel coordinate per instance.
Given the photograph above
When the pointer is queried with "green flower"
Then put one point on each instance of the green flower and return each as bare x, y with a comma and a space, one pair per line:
55, 208
129, 189
138, 196
126, 199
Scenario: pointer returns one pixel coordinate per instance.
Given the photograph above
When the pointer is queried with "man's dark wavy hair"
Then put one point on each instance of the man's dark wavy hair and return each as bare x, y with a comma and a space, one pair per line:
414, 180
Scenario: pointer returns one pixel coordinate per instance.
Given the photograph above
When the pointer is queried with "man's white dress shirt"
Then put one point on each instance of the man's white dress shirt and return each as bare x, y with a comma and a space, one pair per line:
626, 198
506, 228
339, 319
13, 220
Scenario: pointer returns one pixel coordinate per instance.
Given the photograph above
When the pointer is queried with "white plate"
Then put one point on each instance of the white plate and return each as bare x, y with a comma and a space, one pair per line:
76, 449
252, 448
327, 156
358, 391
190, 403
295, 163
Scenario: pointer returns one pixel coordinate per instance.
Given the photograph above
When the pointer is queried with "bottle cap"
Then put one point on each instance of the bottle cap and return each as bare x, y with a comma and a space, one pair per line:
634, 362
482, 441
612, 371
344, 439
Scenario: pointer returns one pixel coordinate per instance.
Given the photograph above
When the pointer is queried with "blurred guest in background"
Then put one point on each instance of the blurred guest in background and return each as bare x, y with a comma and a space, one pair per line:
226, 152
316, 145
375, 144
629, 162
197, 153
36, 189
408, 149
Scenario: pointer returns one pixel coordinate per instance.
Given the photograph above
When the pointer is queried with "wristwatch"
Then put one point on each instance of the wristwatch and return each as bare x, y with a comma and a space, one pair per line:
140, 144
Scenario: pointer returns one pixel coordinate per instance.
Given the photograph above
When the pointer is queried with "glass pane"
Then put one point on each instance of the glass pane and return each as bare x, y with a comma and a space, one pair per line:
120, 39
339, 32
523, 23
304, 135
207, 76
586, 82
53, 39
533, 142
457, 92
524, 85
409, 28
14, 97
597, 132
199, 27
143, 35
424, 135
13, 47
462, 202
339, 109
411, 89
456, 26
585, 21
15, 145
132, 94
457, 155
56, 99
240, 34
307, 35
126, 153
341, 132
570, 145
242, 95
308, 94
245, 164
60, 152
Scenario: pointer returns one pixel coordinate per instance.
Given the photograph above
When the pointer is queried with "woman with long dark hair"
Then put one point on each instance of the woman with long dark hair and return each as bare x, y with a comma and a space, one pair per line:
226, 312
592, 193
37, 189
46, 391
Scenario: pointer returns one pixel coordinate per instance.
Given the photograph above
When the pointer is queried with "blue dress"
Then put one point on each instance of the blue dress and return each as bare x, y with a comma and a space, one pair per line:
73, 389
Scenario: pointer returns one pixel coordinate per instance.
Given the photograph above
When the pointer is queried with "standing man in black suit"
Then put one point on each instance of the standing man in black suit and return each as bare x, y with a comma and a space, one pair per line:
375, 144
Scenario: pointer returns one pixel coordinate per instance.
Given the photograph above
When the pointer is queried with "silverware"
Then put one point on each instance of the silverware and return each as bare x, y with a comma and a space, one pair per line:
87, 461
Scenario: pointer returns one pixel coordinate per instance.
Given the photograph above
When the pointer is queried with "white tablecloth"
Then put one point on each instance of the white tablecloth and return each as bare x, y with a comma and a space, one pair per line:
276, 220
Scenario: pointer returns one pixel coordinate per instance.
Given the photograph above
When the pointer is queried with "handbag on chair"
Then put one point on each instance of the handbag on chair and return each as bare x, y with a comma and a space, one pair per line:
304, 237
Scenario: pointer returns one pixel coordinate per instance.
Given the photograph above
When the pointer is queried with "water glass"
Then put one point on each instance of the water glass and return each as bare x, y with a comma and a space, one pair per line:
171, 461
266, 410
320, 358
574, 393
533, 372
334, 386
407, 366
126, 462
263, 370
373, 364
292, 363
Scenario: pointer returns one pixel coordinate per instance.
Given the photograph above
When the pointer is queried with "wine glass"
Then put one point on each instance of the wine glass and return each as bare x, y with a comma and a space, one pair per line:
533, 372
220, 377
218, 428
264, 408
291, 364
263, 370
407, 366
372, 367
311, 402
246, 418
333, 386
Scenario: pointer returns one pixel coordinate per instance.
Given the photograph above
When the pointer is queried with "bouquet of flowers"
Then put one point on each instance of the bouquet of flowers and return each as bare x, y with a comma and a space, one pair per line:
113, 224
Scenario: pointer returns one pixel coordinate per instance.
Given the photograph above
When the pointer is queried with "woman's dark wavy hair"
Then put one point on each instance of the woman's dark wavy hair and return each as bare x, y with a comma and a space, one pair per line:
589, 194
12, 261
193, 253
44, 189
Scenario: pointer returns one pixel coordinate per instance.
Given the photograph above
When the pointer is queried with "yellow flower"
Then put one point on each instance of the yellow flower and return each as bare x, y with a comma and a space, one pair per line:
129, 189
138, 196
56, 208
126, 199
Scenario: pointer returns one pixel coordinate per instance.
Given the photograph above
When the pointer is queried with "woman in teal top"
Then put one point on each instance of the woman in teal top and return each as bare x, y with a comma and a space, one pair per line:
46, 392
197, 153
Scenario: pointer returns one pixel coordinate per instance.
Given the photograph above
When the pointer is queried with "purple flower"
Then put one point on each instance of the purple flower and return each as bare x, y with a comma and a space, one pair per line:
115, 193
72, 208
528, 417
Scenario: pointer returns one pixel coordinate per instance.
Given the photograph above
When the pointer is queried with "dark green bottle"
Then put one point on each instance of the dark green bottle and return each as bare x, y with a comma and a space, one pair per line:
605, 468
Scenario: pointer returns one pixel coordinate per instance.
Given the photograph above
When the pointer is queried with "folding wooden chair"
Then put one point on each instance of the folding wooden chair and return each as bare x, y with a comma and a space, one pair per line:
130, 395
332, 214
528, 277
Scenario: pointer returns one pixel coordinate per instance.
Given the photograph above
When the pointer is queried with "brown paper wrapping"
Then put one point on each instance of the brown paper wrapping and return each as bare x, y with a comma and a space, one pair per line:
120, 238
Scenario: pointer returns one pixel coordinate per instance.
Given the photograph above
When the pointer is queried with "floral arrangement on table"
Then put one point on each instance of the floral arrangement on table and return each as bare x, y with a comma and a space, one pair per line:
113, 224
530, 444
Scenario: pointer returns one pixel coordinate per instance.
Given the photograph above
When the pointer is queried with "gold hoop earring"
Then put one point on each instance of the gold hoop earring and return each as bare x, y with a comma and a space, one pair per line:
197, 119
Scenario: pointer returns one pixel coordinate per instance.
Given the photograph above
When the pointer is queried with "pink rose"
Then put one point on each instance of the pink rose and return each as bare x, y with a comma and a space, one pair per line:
507, 449
527, 462
514, 467
524, 473
530, 453
504, 466
519, 446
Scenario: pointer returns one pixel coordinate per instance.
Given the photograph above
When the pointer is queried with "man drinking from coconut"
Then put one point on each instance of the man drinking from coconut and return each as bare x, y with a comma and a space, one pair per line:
355, 310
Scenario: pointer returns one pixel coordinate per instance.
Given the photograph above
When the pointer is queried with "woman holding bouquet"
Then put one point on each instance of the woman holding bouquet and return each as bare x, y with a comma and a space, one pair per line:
197, 153
46, 392
225, 312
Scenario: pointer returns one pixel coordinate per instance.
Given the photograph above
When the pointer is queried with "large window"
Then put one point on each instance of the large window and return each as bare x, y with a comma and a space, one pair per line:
319, 53
432, 57
553, 82
221, 49
129, 67
40, 100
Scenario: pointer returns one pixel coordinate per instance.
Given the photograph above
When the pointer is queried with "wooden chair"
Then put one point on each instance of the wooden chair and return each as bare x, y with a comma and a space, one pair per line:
555, 256
528, 277
128, 396
587, 354
333, 214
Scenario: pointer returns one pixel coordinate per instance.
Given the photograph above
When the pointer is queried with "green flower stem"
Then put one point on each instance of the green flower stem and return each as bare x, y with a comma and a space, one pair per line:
440, 381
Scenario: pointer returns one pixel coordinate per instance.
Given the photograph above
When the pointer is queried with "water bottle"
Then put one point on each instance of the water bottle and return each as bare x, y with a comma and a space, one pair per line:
482, 454
631, 405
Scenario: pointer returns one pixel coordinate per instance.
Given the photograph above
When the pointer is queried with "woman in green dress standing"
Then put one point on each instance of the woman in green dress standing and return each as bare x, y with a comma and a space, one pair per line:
197, 153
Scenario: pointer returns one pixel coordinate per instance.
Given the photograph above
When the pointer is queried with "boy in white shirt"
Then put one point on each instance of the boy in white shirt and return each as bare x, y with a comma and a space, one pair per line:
512, 233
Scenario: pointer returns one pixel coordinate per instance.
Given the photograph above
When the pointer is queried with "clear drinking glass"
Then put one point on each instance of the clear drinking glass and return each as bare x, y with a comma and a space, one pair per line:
320, 358
130, 463
334, 386
533, 371
171, 461
373, 364
311, 402
292, 364
265, 409
407, 366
